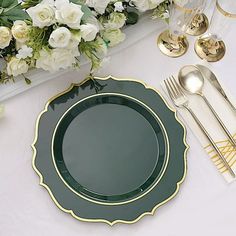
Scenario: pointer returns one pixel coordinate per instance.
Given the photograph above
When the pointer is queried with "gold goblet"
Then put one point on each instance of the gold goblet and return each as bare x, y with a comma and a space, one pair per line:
172, 45
173, 41
210, 46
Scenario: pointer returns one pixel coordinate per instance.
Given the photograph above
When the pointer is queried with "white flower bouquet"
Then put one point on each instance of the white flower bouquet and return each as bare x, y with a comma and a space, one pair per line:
54, 34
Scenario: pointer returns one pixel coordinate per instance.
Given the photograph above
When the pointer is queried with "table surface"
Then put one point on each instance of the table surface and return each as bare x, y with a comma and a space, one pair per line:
205, 204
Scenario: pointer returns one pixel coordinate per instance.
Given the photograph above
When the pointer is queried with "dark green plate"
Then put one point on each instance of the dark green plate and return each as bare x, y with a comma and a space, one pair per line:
109, 150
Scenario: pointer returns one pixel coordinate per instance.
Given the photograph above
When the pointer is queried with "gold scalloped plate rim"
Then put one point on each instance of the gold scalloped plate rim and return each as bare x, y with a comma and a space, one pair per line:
111, 223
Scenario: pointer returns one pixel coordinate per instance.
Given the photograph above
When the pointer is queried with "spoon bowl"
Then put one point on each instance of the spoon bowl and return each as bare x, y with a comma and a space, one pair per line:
191, 79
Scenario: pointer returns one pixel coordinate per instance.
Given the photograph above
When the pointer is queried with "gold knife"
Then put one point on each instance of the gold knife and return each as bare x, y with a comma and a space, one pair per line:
211, 77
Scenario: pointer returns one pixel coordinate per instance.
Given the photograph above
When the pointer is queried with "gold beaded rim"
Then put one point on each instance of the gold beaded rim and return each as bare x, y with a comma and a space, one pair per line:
184, 9
222, 11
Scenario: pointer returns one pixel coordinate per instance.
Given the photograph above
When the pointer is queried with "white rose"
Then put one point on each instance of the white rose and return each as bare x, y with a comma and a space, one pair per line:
116, 20
64, 58
89, 31
145, 5
56, 59
60, 38
20, 31
43, 14
16, 67
45, 60
68, 13
93, 20
99, 5
113, 36
5, 37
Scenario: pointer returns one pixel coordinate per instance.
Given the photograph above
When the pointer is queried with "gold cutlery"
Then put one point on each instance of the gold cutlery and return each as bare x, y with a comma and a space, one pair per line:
192, 81
180, 100
211, 77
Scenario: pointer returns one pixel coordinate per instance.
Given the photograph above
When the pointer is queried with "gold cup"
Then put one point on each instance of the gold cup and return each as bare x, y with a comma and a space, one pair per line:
172, 45
211, 47
173, 42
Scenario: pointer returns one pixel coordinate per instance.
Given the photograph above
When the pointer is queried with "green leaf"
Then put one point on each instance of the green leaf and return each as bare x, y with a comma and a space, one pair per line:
29, 3
16, 14
5, 22
8, 3
11, 12
132, 18
87, 12
79, 2
28, 81
10, 50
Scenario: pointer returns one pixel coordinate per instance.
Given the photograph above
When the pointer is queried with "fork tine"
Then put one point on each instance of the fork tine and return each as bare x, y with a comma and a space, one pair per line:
173, 85
169, 87
168, 90
178, 87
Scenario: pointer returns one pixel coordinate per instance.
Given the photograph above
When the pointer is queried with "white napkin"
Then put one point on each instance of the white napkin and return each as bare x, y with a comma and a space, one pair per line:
208, 120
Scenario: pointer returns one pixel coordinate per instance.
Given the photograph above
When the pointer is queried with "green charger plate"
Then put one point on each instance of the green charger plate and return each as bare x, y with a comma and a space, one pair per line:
109, 150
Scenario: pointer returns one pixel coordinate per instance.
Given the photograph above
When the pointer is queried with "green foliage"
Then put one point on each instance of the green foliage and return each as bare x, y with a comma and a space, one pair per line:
80, 2
132, 14
38, 38
89, 49
11, 10
161, 9
87, 12
30, 3
27, 80
132, 18
5, 78
8, 51
8, 3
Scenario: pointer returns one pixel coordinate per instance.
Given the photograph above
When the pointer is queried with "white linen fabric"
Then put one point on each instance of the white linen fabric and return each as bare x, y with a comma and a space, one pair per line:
205, 204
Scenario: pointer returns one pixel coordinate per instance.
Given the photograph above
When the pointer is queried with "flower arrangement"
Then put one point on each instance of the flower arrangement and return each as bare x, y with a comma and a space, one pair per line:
54, 34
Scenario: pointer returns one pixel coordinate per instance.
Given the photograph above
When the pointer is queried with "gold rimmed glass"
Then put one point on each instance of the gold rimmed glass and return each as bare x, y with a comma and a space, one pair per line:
200, 22
211, 46
173, 41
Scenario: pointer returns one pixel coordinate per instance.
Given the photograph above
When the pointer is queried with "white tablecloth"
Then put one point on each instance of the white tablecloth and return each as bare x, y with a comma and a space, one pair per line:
205, 205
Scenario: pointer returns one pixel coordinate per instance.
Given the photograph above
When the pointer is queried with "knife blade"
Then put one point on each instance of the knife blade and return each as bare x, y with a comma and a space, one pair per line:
211, 77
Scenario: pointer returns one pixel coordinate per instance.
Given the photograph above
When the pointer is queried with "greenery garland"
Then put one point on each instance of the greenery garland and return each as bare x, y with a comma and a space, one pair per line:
54, 34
